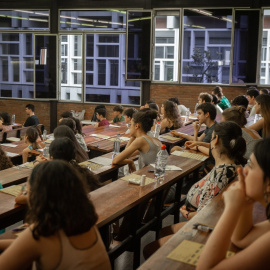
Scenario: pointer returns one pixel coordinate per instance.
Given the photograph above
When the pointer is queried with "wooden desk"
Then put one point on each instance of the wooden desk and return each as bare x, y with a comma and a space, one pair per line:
14, 176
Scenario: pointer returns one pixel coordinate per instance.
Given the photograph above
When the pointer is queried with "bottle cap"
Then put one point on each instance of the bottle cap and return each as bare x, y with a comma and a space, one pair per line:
163, 147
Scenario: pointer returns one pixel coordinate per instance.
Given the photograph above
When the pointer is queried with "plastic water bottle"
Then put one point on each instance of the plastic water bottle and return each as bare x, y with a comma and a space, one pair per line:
195, 109
157, 130
46, 151
187, 114
44, 135
161, 162
13, 119
116, 145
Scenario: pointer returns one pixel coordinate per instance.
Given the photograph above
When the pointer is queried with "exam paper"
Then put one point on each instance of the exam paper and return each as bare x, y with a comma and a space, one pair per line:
9, 154
9, 144
102, 161
170, 167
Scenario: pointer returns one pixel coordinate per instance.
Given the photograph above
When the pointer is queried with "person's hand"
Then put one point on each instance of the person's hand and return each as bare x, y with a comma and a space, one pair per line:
184, 212
41, 158
191, 145
176, 148
175, 133
197, 126
132, 167
142, 107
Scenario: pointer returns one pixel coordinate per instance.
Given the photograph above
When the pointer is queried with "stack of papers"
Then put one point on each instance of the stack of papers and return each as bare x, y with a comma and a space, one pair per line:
187, 154
170, 138
102, 161
9, 154
9, 144
170, 168
100, 136
12, 190
91, 165
136, 179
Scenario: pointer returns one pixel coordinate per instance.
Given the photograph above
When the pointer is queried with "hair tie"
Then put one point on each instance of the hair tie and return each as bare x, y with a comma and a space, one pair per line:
232, 143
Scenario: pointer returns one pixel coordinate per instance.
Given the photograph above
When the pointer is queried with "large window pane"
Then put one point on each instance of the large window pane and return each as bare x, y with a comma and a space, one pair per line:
24, 20
16, 65
206, 45
265, 51
246, 32
166, 47
71, 67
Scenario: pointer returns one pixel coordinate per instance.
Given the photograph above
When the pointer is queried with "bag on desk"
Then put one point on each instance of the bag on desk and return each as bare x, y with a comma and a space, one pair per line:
78, 115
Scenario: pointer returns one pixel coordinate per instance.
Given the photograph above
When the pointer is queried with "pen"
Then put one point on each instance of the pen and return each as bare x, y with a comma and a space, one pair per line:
202, 227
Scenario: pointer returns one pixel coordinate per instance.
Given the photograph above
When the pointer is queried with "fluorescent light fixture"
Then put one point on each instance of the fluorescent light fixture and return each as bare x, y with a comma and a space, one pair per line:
25, 11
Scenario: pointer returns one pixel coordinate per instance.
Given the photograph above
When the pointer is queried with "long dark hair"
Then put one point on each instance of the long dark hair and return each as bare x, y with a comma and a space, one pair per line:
59, 200
64, 149
233, 144
171, 112
6, 118
5, 162
65, 131
32, 136
261, 153
264, 101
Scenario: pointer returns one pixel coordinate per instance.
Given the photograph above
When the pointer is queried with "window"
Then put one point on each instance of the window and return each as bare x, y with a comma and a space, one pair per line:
206, 45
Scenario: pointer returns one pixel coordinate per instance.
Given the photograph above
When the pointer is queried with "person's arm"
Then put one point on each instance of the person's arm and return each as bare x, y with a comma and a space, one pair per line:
197, 126
25, 154
183, 135
198, 146
163, 124
258, 125
187, 214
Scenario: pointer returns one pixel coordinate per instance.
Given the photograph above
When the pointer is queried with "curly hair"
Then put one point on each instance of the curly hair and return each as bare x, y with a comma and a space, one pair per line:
6, 118
5, 162
59, 200
171, 112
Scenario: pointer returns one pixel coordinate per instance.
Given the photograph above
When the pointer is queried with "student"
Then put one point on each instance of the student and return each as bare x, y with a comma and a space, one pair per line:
117, 112
182, 109
264, 91
128, 113
140, 143
30, 138
65, 131
240, 101
32, 119
223, 101
236, 221
94, 117
62, 232
5, 162
252, 93
262, 106
206, 115
146, 106
215, 102
101, 116
227, 147
171, 117
66, 114
204, 97
5, 124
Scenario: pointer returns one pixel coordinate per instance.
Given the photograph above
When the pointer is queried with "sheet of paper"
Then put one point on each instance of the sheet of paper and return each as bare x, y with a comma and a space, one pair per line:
100, 136
13, 139
187, 154
91, 165
170, 167
9, 154
189, 252
88, 122
29, 165
170, 138
9, 144
137, 178
111, 125
193, 117
12, 190
102, 161
123, 139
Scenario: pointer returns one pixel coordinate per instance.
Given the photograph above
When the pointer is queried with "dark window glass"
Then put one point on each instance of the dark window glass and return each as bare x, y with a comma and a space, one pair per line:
90, 45
108, 50
101, 72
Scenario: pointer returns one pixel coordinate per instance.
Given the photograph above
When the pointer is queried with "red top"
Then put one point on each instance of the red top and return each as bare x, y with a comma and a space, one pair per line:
104, 122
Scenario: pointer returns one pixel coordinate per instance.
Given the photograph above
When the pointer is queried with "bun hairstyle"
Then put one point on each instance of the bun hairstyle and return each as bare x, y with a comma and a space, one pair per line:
145, 118
263, 159
233, 144
236, 114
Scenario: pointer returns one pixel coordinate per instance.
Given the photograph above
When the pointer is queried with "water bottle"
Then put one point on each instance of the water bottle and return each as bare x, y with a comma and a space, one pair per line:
46, 151
13, 119
195, 109
187, 114
161, 162
44, 135
157, 130
116, 145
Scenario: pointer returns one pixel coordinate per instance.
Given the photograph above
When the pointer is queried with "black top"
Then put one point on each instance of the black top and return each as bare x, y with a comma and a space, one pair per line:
31, 121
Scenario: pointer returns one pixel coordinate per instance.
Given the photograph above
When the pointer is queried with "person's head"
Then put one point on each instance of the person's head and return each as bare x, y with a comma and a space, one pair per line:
68, 122
227, 140
206, 111
235, 114
148, 102
264, 91
62, 148
252, 93
171, 112
5, 118
258, 169
29, 109
58, 199
78, 125
65, 131
128, 113
214, 99
31, 136
142, 121
154, 106
263, 107
240, 101
174, 100
5, 162
65, 114
218, 92
204, 97
101, 113
117, 110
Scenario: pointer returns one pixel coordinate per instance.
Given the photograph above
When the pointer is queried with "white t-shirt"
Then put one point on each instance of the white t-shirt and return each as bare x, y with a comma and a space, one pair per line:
182, 109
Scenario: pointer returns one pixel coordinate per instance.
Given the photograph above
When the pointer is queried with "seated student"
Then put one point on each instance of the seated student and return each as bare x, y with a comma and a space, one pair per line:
71, 122
30, 138
140, 143
146, 106
215, 102
204, 97
223, 101
32, 119
252, 93
206, 115
65, 131
236, 221
182, 109
240, 101
262, 106
264, 91
227, 147
66, 114
171, 117
5, 161
128, 113
5, 124
117, 112
101, 116
94, 117
62, 233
